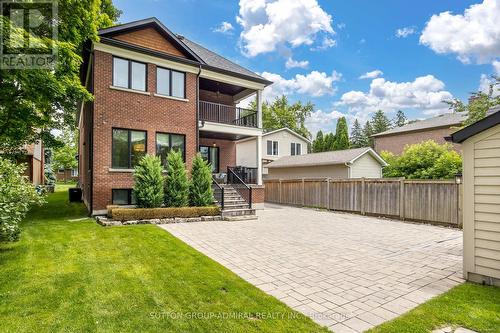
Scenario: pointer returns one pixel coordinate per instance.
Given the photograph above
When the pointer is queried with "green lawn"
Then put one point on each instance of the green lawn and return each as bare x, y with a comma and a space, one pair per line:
75, 276
468, 305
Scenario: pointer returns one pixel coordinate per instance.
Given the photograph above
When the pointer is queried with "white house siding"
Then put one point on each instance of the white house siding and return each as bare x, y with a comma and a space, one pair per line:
482, 206
324, 171
366, 166
245, 150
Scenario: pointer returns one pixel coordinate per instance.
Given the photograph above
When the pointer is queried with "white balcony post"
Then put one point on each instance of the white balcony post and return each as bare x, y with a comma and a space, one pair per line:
259, 138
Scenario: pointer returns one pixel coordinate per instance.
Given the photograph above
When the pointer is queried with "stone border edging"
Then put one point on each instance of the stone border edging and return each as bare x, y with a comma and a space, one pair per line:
107, 222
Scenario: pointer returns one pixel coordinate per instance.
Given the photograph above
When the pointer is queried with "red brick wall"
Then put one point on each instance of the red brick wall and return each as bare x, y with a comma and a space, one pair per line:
396, 143
129, 110
227, 151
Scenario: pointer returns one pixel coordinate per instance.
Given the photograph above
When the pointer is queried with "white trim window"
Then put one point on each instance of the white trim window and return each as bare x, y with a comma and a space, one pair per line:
295, 149
74, 172
272, 148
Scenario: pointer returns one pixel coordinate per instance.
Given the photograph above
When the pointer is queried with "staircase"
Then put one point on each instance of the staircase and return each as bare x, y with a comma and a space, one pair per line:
235, 207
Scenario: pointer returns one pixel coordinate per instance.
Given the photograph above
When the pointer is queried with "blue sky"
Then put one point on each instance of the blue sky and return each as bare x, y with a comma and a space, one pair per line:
329, 44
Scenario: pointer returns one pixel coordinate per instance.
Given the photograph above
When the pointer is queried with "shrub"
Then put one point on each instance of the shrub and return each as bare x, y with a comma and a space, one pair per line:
127, 214
149, 182
200, 189
17, 195
426, 160
177, 183
50, 177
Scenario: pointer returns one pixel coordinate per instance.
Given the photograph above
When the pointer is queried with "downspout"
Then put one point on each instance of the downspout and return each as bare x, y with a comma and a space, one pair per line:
198, 109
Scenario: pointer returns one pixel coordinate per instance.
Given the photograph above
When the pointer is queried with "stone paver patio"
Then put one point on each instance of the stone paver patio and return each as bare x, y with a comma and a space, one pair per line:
347, 272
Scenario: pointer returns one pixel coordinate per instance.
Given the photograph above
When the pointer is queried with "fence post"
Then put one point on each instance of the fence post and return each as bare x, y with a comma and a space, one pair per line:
402, 199
363, 180
303, 192
460, 216
328, 193
279, 191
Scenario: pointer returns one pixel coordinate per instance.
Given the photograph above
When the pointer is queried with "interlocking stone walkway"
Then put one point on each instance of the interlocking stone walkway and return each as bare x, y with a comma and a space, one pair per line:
347, 272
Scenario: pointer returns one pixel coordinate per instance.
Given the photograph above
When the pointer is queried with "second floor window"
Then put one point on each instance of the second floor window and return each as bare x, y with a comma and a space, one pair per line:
295, 149
128, 148
129, 74
170, 82
272, 148
165, 142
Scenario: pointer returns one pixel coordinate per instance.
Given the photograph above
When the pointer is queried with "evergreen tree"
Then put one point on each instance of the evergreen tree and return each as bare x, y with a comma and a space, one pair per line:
341, 135
318, 143
358, 140
400, 119
329, 142
380, 123
177, 183
367, 134
200, 189
149, 182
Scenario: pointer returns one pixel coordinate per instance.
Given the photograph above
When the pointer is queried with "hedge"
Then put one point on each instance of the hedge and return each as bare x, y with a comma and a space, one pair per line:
128, 214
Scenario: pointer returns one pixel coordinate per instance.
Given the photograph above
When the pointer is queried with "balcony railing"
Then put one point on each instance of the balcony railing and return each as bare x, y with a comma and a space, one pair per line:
227, 114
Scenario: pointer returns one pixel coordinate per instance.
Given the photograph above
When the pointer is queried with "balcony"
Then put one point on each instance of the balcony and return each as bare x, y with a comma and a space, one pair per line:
227, 114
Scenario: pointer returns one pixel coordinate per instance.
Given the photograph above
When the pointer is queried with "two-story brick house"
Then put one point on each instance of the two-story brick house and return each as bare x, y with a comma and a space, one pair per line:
155, 91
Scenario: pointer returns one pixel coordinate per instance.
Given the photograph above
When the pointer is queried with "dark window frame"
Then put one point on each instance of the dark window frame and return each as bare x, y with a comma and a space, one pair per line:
170, 71
129, 130
218, 155
272, 148
170, 143
129, 78
294, 149
129, 196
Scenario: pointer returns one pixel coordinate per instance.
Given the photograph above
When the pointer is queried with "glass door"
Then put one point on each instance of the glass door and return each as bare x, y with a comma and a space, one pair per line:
211, 155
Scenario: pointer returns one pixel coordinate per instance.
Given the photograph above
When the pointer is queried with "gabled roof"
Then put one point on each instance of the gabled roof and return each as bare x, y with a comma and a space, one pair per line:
196, 53
482, 125
276, 131
444, 120
326, 158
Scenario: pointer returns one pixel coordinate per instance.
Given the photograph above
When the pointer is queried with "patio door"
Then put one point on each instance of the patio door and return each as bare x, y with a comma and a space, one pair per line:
211, 155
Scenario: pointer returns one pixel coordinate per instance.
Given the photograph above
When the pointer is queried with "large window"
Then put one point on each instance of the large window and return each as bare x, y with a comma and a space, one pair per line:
123, 197
129, 147
211, 155
166, 142
170, 82
295, 149
272, 148
129, 74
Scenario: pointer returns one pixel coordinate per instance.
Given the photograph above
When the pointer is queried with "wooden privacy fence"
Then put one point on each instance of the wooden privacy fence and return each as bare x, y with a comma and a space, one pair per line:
434, 201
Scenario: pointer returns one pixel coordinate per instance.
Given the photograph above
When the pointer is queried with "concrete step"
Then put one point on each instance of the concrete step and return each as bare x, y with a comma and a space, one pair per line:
240, 218
235, 206
238, 212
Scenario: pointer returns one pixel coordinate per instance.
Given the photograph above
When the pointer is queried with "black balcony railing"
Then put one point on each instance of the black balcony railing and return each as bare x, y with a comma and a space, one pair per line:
248, 175
227, 114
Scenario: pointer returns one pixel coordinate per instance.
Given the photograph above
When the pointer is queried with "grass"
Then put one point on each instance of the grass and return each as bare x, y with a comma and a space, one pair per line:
69, 274
468, 305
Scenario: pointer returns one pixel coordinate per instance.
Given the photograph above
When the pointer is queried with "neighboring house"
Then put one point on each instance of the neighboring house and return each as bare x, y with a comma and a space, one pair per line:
275, 144
481, 199
437, 128
34, 160
350, 163
65, 175
155, 91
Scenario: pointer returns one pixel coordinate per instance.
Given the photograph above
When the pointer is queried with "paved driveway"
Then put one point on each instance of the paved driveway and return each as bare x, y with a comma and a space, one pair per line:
347, 272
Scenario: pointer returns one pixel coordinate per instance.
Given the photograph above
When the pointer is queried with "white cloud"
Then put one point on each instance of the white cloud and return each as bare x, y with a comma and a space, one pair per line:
372, 75
475, 34
425, 93
484, 85
405, 32
290, 63
224, 28
315, 84
325, 44
268, 24
496, 66
325, 121
341, 26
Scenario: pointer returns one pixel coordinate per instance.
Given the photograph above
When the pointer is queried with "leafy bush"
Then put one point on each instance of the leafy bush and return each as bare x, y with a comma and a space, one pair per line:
149, 182
50, 177
426, 160
17, 195
127, 214
177, 183
200, 189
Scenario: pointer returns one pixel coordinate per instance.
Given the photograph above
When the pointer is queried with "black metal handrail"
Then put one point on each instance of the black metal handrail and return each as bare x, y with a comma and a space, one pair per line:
240, 186
247, 174
218, 192
227, 114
